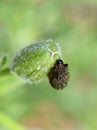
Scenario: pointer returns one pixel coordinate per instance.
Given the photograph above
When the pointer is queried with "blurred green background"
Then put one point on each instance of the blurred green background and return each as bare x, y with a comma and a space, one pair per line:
74, 25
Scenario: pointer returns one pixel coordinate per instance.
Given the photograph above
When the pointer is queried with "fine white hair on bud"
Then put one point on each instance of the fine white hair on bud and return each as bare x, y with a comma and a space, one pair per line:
34, 61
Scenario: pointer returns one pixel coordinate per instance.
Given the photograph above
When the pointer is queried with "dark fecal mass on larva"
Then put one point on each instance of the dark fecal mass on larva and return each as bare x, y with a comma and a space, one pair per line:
59, 75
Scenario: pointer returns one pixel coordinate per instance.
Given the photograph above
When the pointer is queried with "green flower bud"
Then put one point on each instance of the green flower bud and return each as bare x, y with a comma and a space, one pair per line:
33, 62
